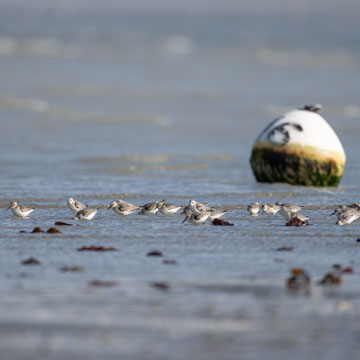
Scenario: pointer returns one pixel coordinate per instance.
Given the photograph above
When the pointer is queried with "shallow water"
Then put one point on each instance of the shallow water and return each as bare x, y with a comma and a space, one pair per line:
145, 113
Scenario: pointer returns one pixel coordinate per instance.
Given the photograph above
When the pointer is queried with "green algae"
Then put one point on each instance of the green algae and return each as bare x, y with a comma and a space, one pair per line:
276, 166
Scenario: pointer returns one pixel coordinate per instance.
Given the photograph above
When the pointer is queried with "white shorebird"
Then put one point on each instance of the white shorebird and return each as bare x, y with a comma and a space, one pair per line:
197, 219
123, 208
75, 206
168, 209
150, 208
253, 208
216, 214
289, 207
20, 210
296, 215
342, 208
198, 207
348, 216
270, 209
85, 214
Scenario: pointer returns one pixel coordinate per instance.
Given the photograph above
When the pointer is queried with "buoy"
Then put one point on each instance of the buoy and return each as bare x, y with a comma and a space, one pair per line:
299, 148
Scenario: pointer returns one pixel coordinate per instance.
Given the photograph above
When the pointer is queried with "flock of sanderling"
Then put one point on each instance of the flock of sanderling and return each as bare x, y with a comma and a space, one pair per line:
196, 212
346, 214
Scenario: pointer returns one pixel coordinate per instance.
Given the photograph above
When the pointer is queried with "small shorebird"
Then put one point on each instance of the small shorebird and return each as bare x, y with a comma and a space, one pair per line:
270, 209
253, 208
195, 207
216, 214
296, 215
85, 214
75, 206
123, 208
150, 208
20, 210
168, 209
342, 208
348, 216
196, 219
289, 207
198, 207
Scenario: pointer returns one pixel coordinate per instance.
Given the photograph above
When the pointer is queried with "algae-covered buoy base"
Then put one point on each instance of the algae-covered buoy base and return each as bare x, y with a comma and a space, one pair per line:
299, 148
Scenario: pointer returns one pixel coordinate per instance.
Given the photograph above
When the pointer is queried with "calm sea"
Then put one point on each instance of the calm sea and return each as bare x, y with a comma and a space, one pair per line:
102, 106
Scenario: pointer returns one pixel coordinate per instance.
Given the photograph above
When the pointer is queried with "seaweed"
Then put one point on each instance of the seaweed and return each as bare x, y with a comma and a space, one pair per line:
221, 222
103, 283
31, 261
53, 230
154, 253
163, 286
61, 223
72, 268
96, 248
169, 262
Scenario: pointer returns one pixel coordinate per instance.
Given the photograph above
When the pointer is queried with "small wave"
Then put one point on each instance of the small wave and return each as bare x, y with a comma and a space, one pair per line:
138, 169
68, 114
15, 103
39, 47
155, 158
160, 158
179, 45
302, 57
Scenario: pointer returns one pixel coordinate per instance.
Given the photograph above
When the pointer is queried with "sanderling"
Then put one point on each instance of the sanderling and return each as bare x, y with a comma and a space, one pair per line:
187, 210
216, 214
85, 214
253, 208
20, 210
302, 218
150, 208
198, 218
342, 208
270, 209
289, 207
123, 208
348, 217
288, 214
168, 209
198, 207
195, 207
75, 205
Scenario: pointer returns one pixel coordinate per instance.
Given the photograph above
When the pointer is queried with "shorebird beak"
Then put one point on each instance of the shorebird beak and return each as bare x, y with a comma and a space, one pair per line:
184, 220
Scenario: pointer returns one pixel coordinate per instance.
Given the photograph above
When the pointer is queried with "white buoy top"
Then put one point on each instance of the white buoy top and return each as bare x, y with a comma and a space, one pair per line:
302, 127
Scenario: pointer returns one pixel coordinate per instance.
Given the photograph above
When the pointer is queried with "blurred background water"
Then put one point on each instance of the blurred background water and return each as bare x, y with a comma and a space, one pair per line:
160, 99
